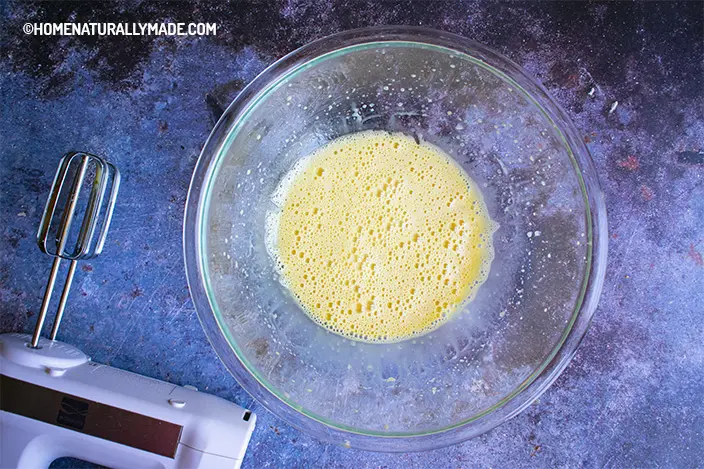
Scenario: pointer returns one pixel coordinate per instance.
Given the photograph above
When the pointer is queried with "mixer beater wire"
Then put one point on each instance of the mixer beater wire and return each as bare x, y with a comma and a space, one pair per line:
55, 236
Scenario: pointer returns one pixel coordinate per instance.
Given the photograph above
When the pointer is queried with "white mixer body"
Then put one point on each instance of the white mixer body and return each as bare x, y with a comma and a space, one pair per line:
56, 403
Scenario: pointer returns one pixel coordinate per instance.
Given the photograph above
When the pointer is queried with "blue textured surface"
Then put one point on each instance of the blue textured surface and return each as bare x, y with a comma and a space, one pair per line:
633, 394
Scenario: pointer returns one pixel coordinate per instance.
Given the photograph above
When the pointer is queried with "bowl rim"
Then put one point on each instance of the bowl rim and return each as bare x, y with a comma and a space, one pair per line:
538, 382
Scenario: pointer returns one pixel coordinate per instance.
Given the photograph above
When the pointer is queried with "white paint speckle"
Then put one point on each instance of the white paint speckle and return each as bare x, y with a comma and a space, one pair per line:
613, 107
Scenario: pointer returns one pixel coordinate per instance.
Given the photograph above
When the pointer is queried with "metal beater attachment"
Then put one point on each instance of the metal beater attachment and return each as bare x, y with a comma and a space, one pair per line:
85, 241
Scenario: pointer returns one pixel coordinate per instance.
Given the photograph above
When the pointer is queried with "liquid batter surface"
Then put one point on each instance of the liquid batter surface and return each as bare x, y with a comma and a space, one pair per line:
380, 238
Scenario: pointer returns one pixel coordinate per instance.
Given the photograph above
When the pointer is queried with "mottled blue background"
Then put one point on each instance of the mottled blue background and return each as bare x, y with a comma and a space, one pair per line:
632, 397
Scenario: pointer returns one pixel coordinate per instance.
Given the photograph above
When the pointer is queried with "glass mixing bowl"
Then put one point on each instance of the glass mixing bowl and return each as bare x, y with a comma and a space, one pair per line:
494, 356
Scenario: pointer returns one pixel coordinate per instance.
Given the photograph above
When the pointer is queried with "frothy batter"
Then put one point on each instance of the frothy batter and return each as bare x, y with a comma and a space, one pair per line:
380, 238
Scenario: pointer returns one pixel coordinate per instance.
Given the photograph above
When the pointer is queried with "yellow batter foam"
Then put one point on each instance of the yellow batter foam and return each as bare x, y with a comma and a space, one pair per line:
380, 238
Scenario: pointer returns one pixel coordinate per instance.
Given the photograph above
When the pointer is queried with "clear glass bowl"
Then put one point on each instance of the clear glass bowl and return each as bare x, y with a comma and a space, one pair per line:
494, 357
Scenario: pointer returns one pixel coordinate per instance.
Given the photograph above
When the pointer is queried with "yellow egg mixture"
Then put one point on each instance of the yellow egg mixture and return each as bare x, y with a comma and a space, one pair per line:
380, 238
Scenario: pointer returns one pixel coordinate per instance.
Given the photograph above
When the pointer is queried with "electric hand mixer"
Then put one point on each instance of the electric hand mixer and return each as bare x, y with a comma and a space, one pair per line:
55, 402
